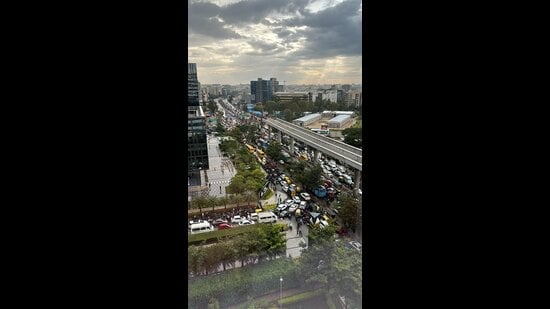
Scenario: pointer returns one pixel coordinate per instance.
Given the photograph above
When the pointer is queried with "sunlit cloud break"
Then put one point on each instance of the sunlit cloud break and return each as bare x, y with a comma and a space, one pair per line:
300, 41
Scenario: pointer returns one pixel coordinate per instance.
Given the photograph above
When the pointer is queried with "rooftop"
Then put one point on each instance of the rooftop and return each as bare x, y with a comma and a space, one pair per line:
308, 117
339, 118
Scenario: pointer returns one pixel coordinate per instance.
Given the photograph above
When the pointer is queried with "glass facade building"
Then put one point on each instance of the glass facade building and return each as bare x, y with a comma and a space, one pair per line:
192, 85
197, 153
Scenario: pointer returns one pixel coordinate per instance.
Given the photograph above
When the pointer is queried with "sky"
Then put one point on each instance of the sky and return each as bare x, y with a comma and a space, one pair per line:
297, 41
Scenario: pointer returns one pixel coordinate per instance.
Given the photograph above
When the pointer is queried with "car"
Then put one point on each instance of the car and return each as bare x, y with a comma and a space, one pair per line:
246, 222
292, 208
236, 219
284, 183
282, 207
218, 221
297, 200
285, 188
223, 226
338, 173
356, 245
289, 202
195, 222
305, 196
279, 179
281, 162
303, 205
284, 214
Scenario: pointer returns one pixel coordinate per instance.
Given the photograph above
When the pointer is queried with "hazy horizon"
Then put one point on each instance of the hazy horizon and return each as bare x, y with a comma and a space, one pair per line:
301, 42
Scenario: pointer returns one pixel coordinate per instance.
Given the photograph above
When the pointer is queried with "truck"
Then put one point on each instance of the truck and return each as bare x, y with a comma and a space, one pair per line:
320, 192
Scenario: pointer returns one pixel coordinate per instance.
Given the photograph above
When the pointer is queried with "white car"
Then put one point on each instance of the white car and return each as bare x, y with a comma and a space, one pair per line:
284, 183
285, 188
236, 219
289, 202
292, 208
305, 196
297, 200
282, 207
246, 222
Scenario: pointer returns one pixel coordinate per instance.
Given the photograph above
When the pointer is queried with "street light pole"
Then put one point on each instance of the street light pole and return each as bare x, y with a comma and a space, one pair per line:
281, 296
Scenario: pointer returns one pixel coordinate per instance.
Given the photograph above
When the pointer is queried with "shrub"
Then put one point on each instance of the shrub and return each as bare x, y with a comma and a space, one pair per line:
212, 237
235, 285
299, 297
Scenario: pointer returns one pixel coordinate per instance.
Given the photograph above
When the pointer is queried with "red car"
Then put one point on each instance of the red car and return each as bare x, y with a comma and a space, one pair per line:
224, 226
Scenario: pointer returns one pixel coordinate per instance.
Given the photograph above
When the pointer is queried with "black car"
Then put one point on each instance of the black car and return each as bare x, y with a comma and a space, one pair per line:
284, 214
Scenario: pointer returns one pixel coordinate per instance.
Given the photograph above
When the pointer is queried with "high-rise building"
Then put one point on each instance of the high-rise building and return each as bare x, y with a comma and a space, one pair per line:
262, 90
192, 85
197, 151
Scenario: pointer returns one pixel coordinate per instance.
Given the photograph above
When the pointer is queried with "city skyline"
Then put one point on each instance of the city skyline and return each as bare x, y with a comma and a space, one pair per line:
297, 42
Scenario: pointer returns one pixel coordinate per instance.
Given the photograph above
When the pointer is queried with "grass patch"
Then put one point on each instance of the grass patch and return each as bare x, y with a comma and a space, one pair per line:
268, 194
269, 207
212, 237
299, 297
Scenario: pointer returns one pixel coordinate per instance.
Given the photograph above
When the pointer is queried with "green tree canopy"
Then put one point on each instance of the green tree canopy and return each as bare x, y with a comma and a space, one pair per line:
274, 151
353, 136
349, 208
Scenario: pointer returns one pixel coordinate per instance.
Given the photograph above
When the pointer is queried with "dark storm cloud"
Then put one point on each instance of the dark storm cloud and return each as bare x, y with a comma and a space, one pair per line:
256, 10
202, 20
331, 32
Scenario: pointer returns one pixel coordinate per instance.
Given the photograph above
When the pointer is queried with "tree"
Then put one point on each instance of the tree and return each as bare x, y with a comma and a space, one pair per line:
288, 115
224, 200
199, 202
309, 177
236, 185
274, 151
349, 207
249, 197
197, 255
353, 136
349, 275
273, 241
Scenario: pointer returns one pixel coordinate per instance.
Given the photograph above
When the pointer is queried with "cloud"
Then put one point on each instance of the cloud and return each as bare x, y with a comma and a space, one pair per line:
255, 11
331, 32
300, 41
202, 19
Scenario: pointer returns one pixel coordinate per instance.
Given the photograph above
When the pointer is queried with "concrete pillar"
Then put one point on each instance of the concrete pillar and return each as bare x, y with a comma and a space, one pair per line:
316, 155
357, 180
280, 137
291, 145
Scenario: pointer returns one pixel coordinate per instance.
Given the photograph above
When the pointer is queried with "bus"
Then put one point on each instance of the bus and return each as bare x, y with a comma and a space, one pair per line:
250, 148
322, 132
